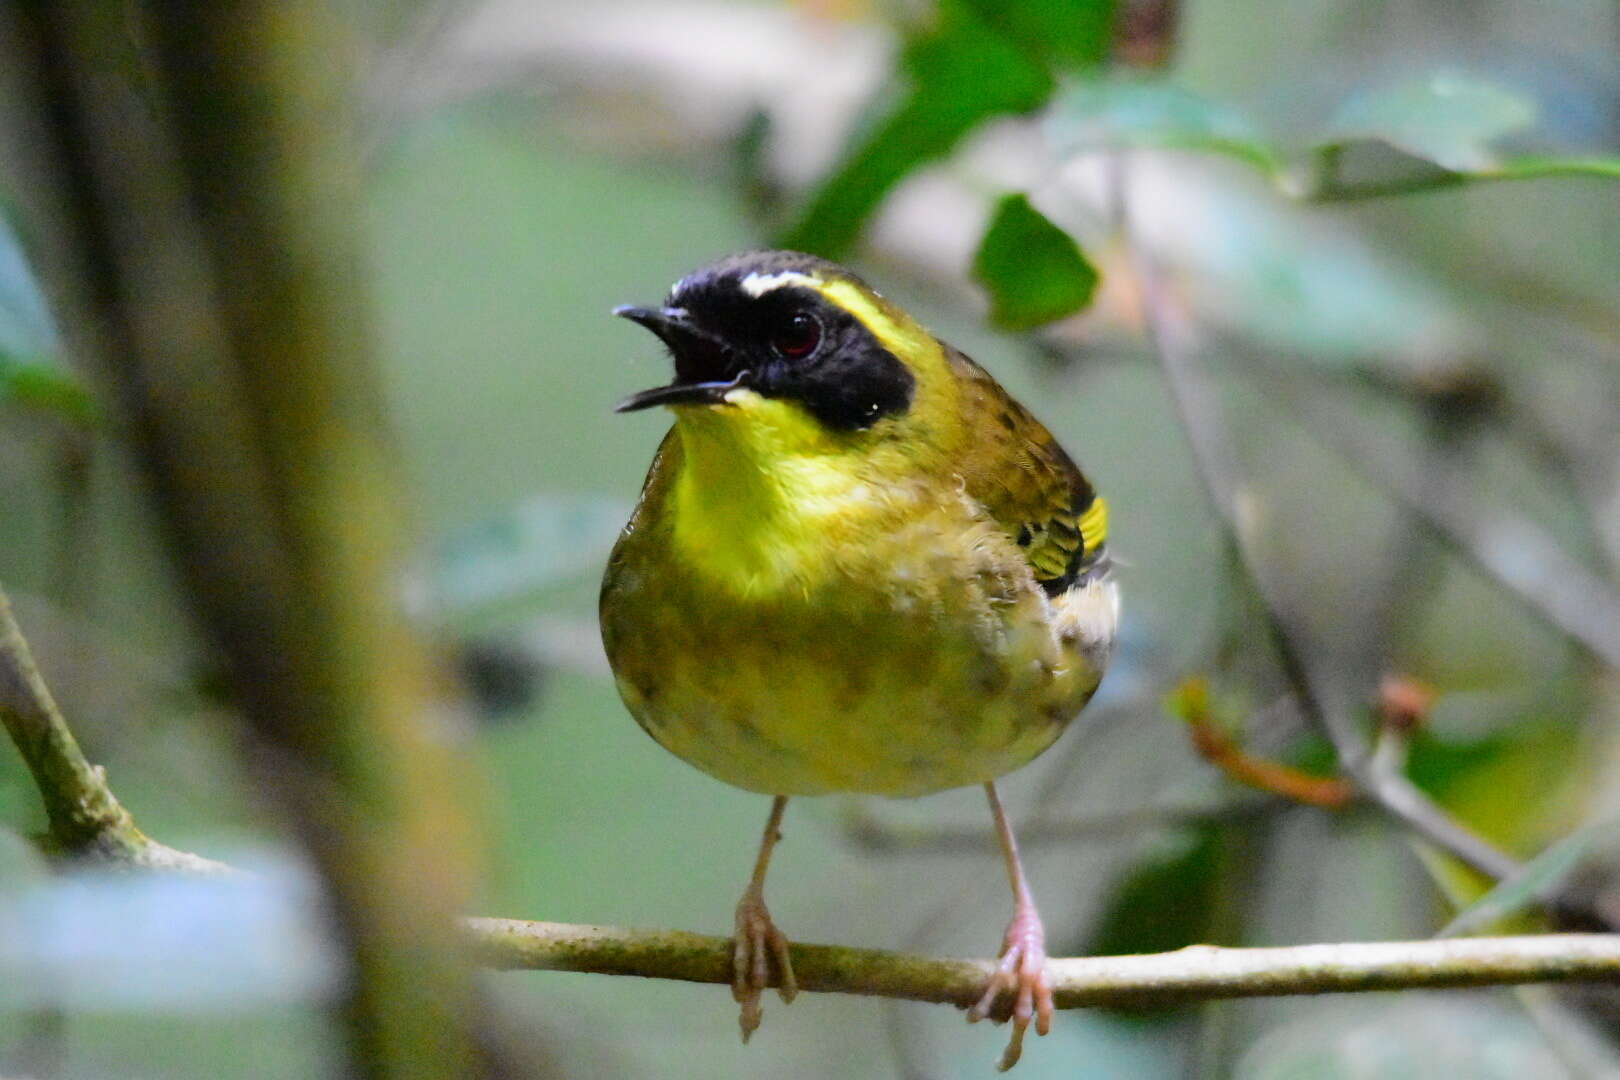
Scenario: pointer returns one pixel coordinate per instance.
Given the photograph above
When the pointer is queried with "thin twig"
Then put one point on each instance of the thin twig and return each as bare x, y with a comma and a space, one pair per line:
1197, 973
1512, 550
1219, 748
84, 817
1195, 397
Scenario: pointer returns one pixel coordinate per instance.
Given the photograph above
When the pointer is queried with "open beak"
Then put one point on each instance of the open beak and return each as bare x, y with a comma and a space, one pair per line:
704, 365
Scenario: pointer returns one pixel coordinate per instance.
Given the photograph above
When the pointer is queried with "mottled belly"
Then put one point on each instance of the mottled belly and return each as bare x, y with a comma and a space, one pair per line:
902, 703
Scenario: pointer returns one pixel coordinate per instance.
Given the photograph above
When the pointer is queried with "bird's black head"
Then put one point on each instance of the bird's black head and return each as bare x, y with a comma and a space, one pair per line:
768, 321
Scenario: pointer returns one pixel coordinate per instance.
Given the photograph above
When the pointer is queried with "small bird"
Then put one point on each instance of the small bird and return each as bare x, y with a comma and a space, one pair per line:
857, 565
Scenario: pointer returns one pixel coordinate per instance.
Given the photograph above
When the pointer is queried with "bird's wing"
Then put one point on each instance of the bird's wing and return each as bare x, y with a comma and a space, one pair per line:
1028, 484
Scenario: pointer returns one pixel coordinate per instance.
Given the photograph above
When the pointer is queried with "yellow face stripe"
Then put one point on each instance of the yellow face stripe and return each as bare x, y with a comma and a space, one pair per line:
1094, 525
898, 332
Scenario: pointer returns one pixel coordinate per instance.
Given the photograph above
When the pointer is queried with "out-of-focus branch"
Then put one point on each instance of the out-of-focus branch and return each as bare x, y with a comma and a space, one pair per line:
208, 267
84, 817
1520, 555
1197, 973
1195, 397
1191, 703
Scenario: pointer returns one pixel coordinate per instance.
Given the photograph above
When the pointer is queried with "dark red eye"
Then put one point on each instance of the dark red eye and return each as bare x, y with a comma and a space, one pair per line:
798, 337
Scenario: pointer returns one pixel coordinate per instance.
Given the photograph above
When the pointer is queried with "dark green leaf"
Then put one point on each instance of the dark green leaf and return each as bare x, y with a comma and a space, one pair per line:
959, 77
1167, 901
979, 59
1034, 271
1065, 34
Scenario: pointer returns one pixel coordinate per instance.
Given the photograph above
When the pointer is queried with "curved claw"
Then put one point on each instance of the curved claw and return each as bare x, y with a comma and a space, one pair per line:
1021, 974
758, 947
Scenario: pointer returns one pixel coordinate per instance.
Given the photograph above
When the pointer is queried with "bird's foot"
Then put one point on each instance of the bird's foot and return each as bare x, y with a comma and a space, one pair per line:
1022, 975
757, 948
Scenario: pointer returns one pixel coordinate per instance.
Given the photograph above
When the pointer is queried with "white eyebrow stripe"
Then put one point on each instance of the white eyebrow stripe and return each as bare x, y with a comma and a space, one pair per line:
757, 285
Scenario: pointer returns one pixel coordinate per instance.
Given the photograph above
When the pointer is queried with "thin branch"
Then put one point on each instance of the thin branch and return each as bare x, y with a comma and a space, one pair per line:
1197, 973
1512, 550
1219, 748
1195, 397
84, 817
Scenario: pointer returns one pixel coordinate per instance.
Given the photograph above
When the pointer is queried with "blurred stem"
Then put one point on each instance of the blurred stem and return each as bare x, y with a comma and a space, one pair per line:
1512, 550
210, 269
84, 817
1196, 973
1215, 745
1195, 396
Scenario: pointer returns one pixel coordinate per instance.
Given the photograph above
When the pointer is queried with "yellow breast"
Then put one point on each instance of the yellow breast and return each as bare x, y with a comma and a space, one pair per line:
808, 627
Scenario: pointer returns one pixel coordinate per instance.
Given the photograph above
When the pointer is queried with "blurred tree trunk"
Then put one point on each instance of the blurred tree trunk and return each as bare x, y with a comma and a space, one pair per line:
200, 166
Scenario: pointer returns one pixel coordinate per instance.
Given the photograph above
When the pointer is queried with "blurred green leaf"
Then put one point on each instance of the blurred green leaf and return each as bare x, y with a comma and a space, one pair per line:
1442, 130
1065, 34
47, 388
1502, 785
1540, 874
507, 560
977, 60
1034, 271
1167, 901
1105, 114
1450, 118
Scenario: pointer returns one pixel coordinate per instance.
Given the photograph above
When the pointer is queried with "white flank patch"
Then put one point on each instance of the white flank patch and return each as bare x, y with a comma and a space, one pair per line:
757, 285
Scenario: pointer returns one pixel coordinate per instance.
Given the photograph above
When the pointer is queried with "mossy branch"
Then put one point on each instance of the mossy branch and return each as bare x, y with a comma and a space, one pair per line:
1197, 973
86, 818
83, 816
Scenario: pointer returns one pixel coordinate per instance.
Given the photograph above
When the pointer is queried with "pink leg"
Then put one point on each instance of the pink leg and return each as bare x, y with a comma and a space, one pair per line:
758, 943
1022, 971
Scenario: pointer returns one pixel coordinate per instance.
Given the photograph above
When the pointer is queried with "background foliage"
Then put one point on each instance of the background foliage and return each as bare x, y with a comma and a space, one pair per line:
1386, 235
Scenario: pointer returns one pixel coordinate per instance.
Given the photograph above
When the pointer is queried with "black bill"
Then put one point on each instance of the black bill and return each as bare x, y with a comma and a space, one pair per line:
704, 365
703, 393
